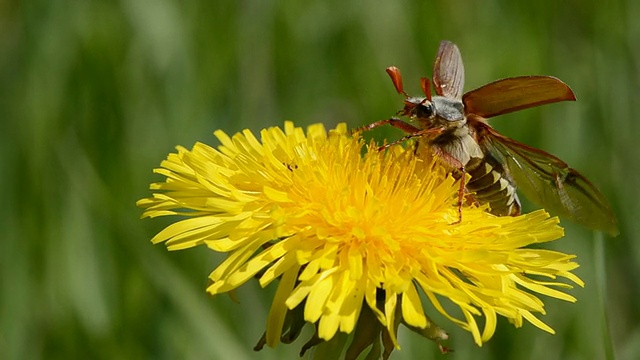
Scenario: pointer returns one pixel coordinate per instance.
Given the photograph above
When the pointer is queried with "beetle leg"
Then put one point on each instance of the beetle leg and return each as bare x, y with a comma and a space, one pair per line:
395, 122
463, 178
419, 133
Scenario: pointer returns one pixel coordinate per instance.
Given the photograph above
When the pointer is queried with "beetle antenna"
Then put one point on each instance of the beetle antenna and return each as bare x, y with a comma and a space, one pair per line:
396, 78
426, 87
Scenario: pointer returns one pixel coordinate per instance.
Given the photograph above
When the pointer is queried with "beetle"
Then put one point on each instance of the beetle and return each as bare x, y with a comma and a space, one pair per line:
455, 127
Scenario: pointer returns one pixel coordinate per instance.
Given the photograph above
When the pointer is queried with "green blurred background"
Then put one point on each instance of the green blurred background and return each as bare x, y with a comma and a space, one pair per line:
94, 94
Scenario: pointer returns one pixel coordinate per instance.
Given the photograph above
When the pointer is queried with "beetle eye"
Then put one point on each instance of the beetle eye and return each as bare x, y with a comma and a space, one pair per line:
425, 110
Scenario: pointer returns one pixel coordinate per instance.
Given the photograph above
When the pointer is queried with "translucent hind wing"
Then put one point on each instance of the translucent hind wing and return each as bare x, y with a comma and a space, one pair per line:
548, 181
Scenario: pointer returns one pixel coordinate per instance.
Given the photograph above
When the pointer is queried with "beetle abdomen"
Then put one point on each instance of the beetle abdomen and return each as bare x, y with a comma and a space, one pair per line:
490, 184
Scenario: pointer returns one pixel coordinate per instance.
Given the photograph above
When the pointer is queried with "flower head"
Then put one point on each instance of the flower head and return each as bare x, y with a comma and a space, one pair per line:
357, 241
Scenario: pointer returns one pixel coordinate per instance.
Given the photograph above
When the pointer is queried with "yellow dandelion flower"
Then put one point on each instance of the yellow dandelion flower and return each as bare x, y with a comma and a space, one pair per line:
358, 242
